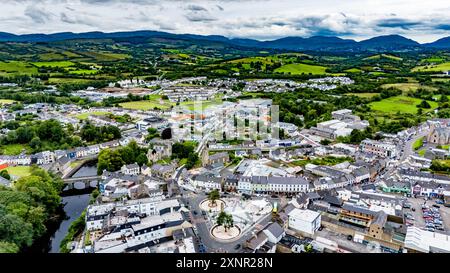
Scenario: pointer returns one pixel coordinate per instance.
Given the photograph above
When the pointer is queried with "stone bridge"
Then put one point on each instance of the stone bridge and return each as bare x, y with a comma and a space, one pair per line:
80, 183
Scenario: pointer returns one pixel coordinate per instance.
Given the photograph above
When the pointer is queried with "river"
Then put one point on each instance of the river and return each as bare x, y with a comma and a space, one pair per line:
73, 209
74, 206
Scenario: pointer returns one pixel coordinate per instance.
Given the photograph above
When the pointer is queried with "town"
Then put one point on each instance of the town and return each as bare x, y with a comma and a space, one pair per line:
207, 174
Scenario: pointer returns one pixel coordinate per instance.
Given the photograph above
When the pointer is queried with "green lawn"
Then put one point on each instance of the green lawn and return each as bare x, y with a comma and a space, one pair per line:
84, 116
14, 149
433, 68
297, 69
17, 67
402, 104
19, 171
422, 152
418, 143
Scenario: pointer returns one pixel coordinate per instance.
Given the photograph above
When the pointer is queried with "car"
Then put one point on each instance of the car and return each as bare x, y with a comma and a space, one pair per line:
195, 212
237, 246
440, 202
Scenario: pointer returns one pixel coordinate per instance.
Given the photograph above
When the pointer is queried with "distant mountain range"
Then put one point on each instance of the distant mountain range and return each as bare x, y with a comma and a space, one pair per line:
315, 43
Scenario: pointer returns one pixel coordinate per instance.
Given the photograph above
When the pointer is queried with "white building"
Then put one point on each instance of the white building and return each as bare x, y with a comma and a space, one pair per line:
306, 221
378, 148
418, 240
131, 169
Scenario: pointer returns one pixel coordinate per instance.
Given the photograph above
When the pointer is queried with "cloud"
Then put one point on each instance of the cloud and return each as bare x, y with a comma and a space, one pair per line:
37, 15
397, 23
195, 8
261, 19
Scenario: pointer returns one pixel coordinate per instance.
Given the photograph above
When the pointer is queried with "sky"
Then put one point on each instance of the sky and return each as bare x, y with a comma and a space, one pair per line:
423, 21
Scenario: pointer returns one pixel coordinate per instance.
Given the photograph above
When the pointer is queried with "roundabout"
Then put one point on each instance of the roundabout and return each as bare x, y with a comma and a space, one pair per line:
219, 233
209, 206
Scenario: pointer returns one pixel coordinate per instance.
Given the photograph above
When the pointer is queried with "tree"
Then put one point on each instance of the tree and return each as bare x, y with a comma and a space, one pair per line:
424, 104
226, 220
213, 196
325, 141
5, 174
14, 230
142, 159
35, 143
109, 160
6, 247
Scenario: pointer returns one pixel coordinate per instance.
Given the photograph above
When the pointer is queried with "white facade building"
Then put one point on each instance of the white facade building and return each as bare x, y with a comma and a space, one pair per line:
306, 221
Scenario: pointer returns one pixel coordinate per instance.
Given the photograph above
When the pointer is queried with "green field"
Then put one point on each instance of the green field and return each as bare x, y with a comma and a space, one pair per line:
363, 95
84, 116
353, 70
402, 104
14, 149
54, 64
385, 56
146, 105
297, 69
68, 81
433, 68
17, 67
83, 72
6, 101
406, 87
19, 171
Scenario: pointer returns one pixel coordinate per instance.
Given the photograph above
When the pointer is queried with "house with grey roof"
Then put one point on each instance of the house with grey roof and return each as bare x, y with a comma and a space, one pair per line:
131, 169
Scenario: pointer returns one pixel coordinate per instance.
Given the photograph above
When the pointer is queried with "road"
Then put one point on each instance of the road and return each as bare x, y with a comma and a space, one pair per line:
408, 147
203, 225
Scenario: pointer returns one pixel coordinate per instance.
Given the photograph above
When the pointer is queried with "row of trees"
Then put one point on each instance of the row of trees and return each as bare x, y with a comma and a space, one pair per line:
112, 160
41, 135
185, 150
94, 134
26, 208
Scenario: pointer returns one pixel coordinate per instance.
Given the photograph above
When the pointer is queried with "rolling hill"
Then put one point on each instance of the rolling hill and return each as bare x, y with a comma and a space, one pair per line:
315, 43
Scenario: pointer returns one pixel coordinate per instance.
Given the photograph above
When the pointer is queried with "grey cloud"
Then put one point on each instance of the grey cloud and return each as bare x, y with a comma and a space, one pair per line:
37, 15
397, 23
196, 8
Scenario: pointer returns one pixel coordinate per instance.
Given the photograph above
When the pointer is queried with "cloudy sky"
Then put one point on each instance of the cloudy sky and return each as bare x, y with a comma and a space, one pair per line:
421, 20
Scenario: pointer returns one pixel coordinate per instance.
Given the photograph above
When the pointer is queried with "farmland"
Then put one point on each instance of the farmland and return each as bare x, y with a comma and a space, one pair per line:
402, 104
433, 68
147, 105
16, 68
296, 69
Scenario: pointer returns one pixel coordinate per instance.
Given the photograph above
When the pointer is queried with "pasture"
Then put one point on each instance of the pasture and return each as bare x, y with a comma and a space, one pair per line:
402, 104
298, 69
